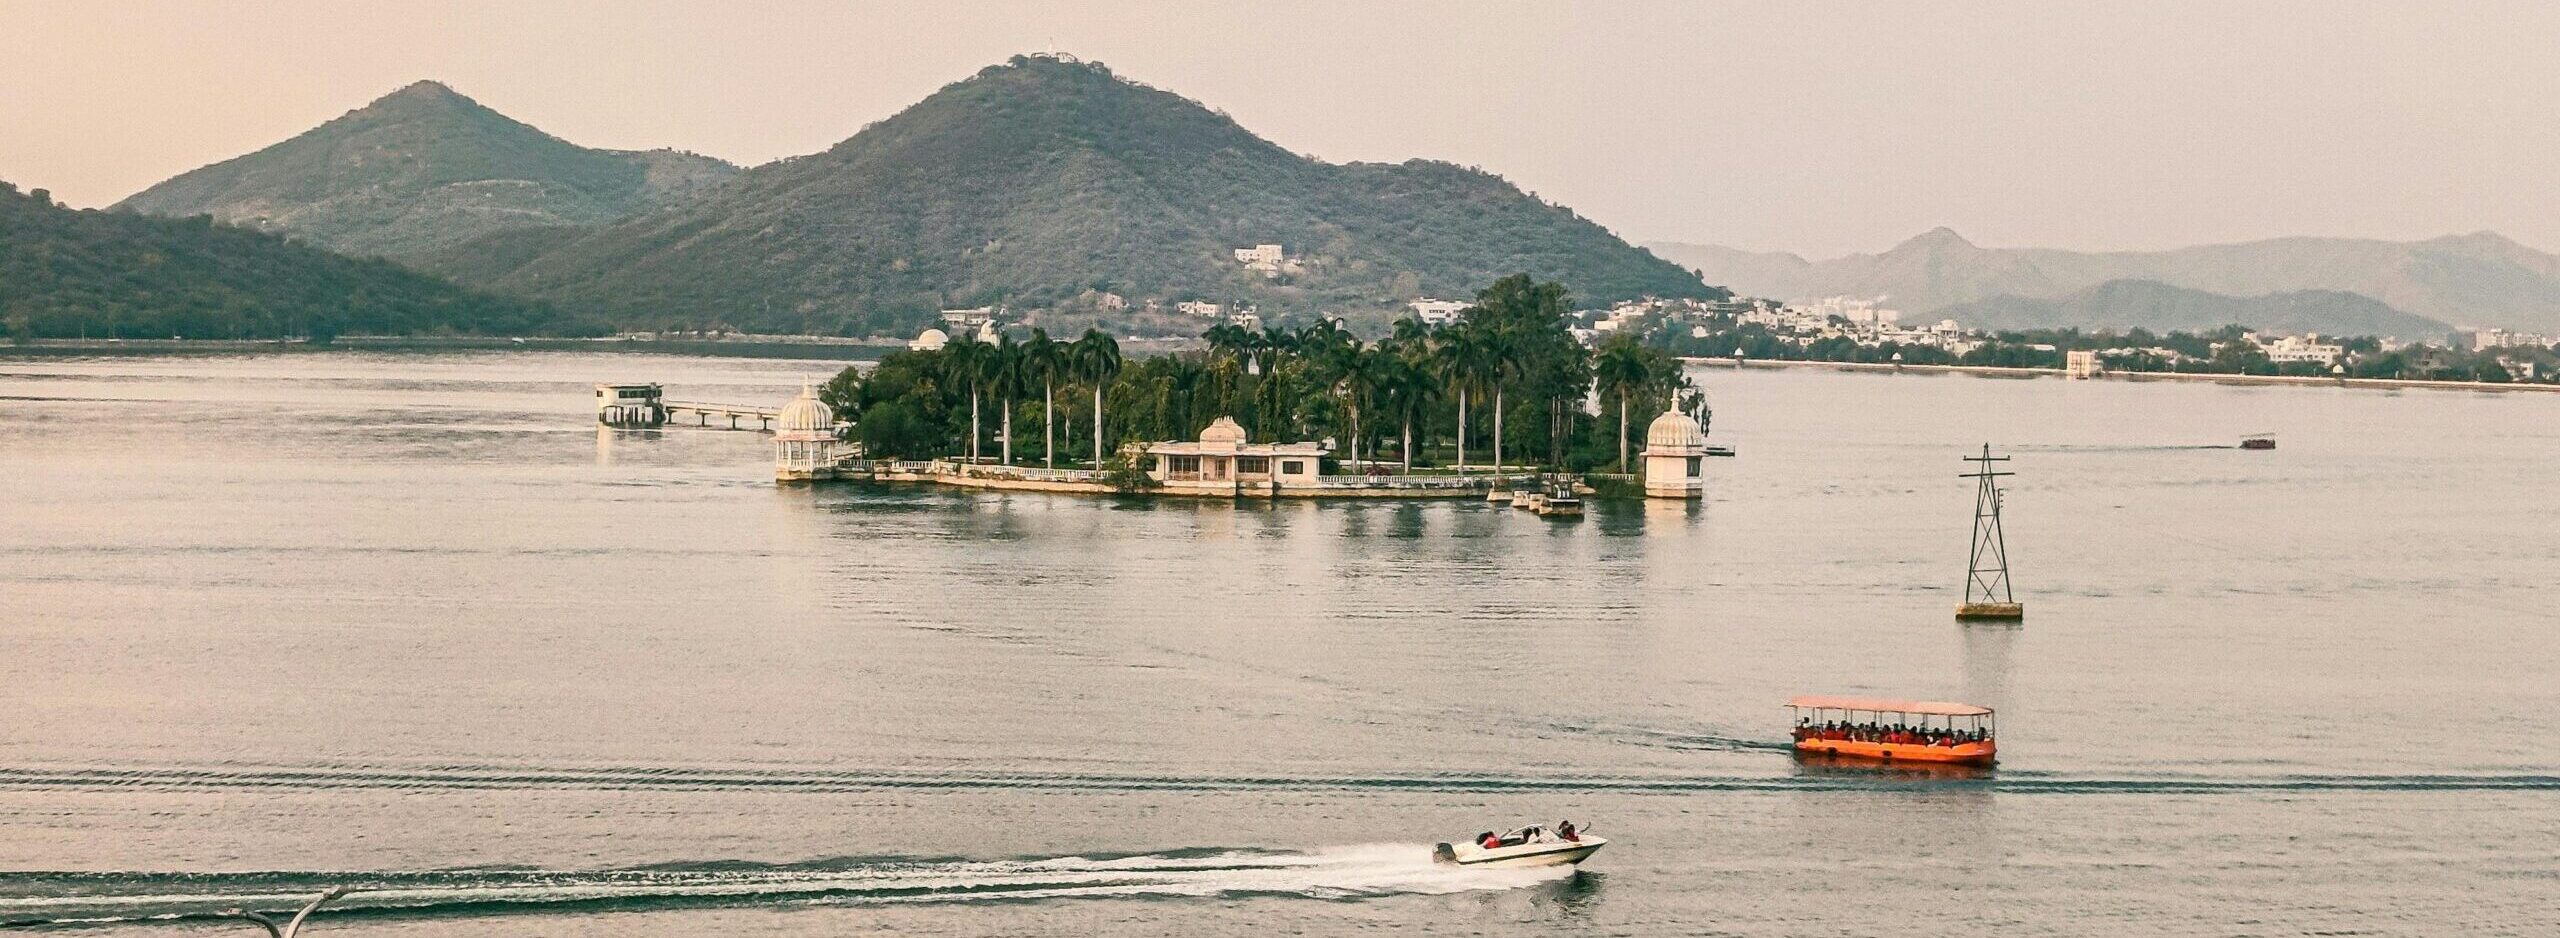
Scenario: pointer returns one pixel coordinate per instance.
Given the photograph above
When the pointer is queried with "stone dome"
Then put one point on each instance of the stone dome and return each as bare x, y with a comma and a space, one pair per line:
1223, 430
930, 340
806, 413
1674, 433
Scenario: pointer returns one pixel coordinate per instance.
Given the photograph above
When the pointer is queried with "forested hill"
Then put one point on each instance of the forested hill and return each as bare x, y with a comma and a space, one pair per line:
1038, 180
111, 274
2146, 304
423, 168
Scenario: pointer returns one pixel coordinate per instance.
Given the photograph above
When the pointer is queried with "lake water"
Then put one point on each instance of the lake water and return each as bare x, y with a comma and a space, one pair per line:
411, 623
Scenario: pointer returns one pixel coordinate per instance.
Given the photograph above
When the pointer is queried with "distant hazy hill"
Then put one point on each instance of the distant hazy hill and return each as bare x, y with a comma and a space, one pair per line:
2477, 279
2150, 304
1037, 180
66, 273
421, 169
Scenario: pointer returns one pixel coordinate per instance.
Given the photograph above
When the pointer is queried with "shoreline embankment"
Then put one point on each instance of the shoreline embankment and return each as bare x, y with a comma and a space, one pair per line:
1995, 371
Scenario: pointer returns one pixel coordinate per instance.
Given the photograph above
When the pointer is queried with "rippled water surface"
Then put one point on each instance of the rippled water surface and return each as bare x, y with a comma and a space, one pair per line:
410, 623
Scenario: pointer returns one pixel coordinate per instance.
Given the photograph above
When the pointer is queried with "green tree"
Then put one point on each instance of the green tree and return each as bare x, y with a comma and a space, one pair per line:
965, 361
1043, 361
1461, 359
843, 394
1006, 379
1622, 368
1358, 373
1407, 391
1524, 334
1096, 358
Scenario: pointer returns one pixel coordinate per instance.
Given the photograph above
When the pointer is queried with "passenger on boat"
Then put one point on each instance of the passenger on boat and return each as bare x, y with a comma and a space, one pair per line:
1895, 734
1565, 830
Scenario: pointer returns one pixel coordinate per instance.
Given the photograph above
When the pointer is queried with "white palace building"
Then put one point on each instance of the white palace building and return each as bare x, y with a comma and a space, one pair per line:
1222, 463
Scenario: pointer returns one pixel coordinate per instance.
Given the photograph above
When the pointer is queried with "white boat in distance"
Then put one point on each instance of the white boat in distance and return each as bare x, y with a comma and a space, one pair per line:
1527, 846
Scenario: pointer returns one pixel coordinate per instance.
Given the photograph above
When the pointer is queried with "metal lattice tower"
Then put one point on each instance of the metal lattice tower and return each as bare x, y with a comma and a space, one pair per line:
1987, 576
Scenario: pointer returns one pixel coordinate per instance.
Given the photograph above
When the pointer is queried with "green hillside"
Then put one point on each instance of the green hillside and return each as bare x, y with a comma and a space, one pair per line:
2147, 304
67, 273
1038, 180
425, 168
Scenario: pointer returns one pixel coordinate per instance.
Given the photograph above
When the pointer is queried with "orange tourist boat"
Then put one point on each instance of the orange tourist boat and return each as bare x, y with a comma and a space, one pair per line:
1894, 730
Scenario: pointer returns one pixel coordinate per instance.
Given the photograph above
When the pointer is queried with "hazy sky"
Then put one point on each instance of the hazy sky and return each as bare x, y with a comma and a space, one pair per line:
1818, 128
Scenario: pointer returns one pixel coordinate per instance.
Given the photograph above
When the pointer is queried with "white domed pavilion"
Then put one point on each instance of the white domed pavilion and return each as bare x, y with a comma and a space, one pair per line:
1224, 461
804, 439
930, 340
1675, 455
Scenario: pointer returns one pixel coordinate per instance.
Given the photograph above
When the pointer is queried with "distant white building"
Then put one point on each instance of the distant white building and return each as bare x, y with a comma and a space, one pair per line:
2081, 363
2485, 339
1247, 320
1437, 312
2297, 348
930, 340
1204, 310
1267, 254
1863, 312
971, 318
1267, 258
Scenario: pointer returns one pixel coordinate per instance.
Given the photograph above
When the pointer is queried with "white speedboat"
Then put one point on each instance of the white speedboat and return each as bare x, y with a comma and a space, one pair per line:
1527, 846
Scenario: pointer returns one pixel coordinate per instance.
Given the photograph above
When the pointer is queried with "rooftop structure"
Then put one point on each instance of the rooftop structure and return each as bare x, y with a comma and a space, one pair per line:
930, 340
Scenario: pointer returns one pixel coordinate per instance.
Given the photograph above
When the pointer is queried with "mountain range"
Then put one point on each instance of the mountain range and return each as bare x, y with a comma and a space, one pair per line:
421, 169
103, 274
1033, 182
2159, 307
2480, 279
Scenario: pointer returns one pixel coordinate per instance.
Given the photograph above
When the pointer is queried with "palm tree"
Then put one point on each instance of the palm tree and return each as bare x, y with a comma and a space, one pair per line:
1325, 338
1043, 360
1358, 374
1410, 394
1458, 360
1410, 331
1501, 363
1227, 339
965, 361
1097, 359
1185, 377
1002, 371
1622, 371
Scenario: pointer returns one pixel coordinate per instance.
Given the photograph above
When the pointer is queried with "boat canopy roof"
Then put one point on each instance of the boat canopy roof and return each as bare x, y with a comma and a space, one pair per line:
1889, 705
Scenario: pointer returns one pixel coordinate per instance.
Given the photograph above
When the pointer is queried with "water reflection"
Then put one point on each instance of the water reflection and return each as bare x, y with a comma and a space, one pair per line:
1988, 659
608, 438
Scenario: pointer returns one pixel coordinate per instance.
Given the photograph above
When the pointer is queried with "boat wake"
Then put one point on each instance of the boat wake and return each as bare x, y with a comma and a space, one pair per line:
816, 780
37, 900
